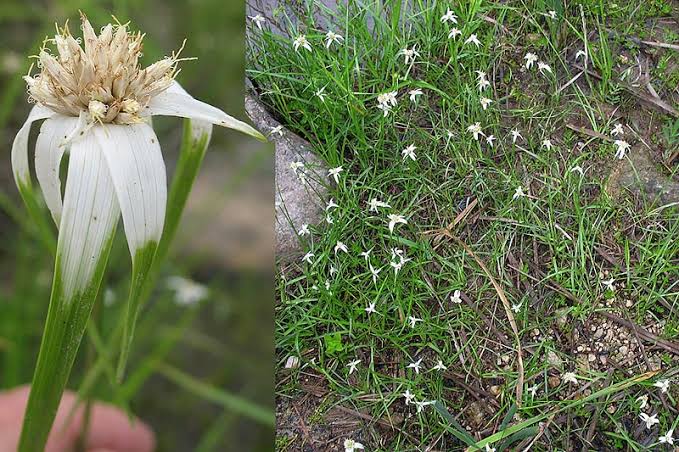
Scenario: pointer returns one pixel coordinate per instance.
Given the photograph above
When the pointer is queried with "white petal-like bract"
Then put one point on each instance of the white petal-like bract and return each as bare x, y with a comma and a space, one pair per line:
22, 173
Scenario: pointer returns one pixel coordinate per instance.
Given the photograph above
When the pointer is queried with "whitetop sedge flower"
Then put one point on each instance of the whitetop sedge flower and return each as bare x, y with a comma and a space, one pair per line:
488, 448
409, 54
577, 169
454, 32
485, 102
516, 135
643, 401
481, 75
258, 20
353, 365
304, 230
186, 291
301, 41
622, 147
650, 421
544, 67
490, 139
424, 403
371, 309
394, 220
518, 193
375, 203
329, 219
617, 130
449, 16
472, 39
327, 285
570, 377
531, 59
278, 129
412, 320
321, 94
409, 152
609, 284
409, 396
334, 173
664, 385
456, 297
415, 366
308, 258
439, 366
533, 390
414, 94
580, 53
387, 101
374, 272
483, 84
551, 14
547, 144
365, 254
517, 307
475, 129
333, 269
332, 37
341, 247
667, 438
97, 101
296, 166
331, 205
352, 446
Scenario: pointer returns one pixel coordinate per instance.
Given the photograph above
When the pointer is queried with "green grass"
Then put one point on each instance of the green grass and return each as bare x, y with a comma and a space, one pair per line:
549, 251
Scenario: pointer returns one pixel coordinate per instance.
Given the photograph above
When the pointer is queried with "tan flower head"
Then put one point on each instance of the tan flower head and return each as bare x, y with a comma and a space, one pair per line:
101, 78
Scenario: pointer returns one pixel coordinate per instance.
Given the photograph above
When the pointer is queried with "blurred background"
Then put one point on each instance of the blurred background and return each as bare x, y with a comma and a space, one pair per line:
197, 364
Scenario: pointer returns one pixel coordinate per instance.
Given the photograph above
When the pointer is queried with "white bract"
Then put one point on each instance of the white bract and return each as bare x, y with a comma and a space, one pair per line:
531, 59
485, 102
375, 203
374, 272
301, 41
643, 401
278, 129
334, 173
409, 396
409, 152
414, 94
413, 321
649, 420
664, 385
449, 16
547, 144
454, 32
352, 446
667, 438
456, 297
475, 129
394, 220
321, 94
425, 403
617, 130
341, 247
304, 230
387, 101
371, 309
516, 135
490, 139
409, 54
415, 366
544, 67
570, 377
257, 20
439, 366
580, 53
473, 40
353, 365
518, 193
621, 148
331, 37
308, 258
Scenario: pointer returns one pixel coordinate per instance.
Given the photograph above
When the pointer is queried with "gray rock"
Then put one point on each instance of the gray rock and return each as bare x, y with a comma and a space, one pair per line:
641, 176
296, 202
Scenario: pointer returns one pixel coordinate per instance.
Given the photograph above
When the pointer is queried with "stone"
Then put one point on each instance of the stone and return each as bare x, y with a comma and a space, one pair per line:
643, 177
296, 202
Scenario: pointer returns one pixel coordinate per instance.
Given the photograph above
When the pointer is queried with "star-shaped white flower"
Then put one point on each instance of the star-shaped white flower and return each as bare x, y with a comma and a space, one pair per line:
425, 403
533, 390
371, 309
517, 307
518, 193
490, 139
551, 14
334, 173
414, 94
331, 205
516, 135
308, 258
609, 284
439, 366
664, 385
301, 41
577, 169
332, 37
643, 401
409, 152
321, 94
667, 438
617, 130
622, 147
475, 129
485, 102
454, 32
258, 20
530, 58
353, 365
341, 247
304, 230
544, 67
649, 420
483, 84
547, 144
365, 254
374, 272
472, 39
352, 446
329, 219
409, 54
570, 377
387, 101
278, 129
456, 297
580, 53
296, 166
333, 270
395, 219
375, 203
413, 321
415, 366
449, 16
409, 396
489, 448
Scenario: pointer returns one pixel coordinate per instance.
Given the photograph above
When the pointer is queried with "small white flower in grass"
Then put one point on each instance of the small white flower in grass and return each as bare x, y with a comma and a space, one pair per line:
331, 205
517, 307
423, 404
643, 401
481, 75
334, 173
483, 84
485, 102
516, 135
551, 14
547, 144
415, 366
409, 54
375, 203
580, 53
258, 20
617, 130
570, 377
327, 285
622, 147
341, 247
353, 365
472, 39
475, 129
518, 193
544, 67
304, 230
186, 291
374, 272
308, 258
649, 420
413, 321
667, 438
296, 166
395, 219
352, 446
321, 94
531, 59
664, 385
366, 254
489, 448
449, 16
332, 37
409, 396
414, 94
454, 32
333, 269
409, 152
577, 169
490, 139
329, 219
397, 266
301, 41
278, 130
609, 284
387, 101
371, 309
533, 390
439, 366
456, 297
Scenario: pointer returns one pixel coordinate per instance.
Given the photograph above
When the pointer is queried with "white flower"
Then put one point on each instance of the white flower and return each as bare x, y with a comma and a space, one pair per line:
353, 365
454, 32
257, 20
485, 102
414, 93
643, 401
409, 152
439, 366
97, 103
664, 385
331, 205
649, 420
328, 219
667, 438
340, 247
481, 75
490, 139
387, 101
580, 53
304, 230
415, 366
334, 173
547, 144
577, 169
518, 193
533, 390
321, 94
622, 148
186, 291
331, 37
394, 220
617, 130
570, 377
397, 266
473, 40
610, 284
409, 54
476, 130
517, 307
455, 297
301, 41
483, 84
542, 67
489, 449
449, 16
366, 254
408, 396
413, 321
551, 14
352, 446
296, 166
516, 135
530, 58
308, 258
375, 203
421, 405
374, 272
278, 129
333, 269
371, 309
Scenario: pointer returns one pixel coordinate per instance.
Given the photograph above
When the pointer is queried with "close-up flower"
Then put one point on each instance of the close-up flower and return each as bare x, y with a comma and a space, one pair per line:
301, 41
